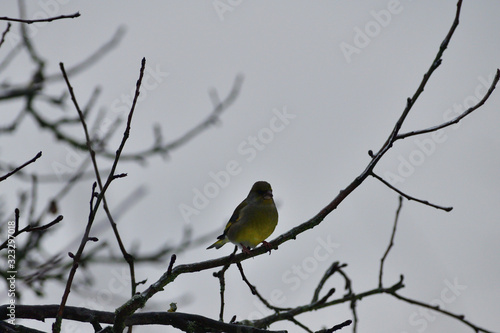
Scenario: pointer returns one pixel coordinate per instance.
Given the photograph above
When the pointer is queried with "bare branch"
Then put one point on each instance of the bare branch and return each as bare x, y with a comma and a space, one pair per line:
94, 207
459, 117
334, 267
254, 291
222, 283
349, 298
336, 327
299, 324
48, 19
435, 64
436, 308
29, 228
48, 225
37, 156
182, 321
126, 316
425, 202
391, 242
2, 40
172, 261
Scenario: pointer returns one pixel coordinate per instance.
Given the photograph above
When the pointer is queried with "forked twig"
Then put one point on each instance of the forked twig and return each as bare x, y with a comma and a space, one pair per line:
391, 242
100, 197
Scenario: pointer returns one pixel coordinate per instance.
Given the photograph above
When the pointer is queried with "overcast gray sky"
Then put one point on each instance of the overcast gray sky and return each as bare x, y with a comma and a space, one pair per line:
324, 82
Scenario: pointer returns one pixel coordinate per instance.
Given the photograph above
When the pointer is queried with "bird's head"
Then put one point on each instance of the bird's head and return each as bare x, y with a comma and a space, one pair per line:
261, 190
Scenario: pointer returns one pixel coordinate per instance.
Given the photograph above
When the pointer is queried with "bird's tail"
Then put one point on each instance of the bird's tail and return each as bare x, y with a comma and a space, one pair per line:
219, 243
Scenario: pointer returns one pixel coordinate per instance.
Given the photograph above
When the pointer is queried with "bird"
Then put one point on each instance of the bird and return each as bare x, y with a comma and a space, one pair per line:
252, 221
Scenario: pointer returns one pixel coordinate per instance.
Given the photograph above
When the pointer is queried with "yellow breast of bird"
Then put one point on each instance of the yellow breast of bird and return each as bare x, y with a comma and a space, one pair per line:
255, 226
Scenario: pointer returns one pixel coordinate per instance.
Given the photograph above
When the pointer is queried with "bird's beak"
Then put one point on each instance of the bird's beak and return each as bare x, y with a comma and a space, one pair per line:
268, 195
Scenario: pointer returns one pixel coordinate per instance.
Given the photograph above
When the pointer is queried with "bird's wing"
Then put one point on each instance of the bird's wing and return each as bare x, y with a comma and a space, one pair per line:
234, 218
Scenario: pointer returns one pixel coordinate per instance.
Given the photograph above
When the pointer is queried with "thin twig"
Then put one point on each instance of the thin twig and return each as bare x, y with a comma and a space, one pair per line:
336, 327
128, 258
29, 228
16, 219
222, 284
425, 202
334, 267
299, 324
94, 206
37, 77
172, 261
353, 303
459, 117
391, 242
349, 298
48, 19
410, 102
20, 167
99, 227
33, 197
48, 225
2, 40
254, 291
436, 308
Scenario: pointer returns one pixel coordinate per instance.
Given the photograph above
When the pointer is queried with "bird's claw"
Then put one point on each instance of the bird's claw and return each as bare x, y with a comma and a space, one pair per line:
268, 246
245, 249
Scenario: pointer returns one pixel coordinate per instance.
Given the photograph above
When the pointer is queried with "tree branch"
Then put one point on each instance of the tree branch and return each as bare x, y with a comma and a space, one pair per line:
222, 283
37, 156
29, 228
254, 291
336, 327
140, 300
436, 308
183, 321
48, 19
459, 117
425, 202
93, 209
349, 298
391, 242
2, 40
334, 267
